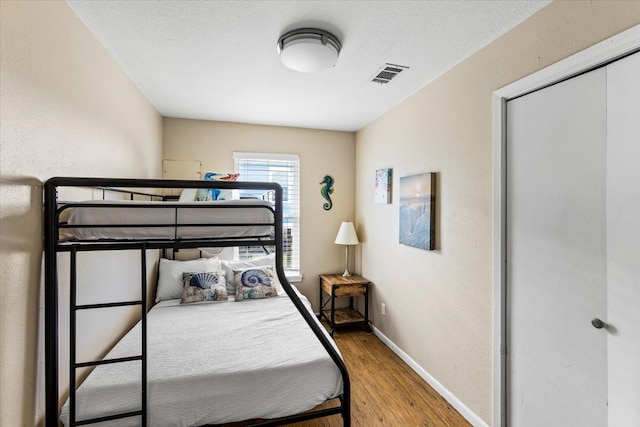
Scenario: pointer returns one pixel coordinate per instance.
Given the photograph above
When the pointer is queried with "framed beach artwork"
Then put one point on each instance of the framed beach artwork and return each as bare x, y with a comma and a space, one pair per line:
417, 210
382, 193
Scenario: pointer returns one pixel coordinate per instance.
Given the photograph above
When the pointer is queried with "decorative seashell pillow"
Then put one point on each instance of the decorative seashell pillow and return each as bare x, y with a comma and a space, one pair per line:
255, 283
266, 261
209, 286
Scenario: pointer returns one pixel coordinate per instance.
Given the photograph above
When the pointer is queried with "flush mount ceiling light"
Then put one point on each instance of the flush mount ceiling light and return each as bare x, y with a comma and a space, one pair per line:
309, 50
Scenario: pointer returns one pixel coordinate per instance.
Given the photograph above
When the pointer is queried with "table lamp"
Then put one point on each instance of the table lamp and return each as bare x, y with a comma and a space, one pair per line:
347, 236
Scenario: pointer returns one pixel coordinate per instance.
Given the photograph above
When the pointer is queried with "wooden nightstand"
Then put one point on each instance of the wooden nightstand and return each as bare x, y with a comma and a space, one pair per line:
336, 286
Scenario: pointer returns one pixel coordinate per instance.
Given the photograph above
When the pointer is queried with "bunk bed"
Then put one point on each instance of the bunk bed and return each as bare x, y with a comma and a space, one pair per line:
275, 374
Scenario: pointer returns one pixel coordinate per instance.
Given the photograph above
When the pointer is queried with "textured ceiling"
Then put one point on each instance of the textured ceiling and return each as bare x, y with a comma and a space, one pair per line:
217, 60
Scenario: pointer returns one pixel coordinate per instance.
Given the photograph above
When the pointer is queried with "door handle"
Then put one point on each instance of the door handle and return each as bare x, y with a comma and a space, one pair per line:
597, 323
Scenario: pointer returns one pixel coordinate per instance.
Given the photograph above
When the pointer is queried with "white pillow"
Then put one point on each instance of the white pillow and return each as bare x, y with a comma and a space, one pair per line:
228, 195
229, 266
188, 195
170, 275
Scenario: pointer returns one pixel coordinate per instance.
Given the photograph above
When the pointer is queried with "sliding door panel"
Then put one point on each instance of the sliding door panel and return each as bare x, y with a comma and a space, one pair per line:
623, 240
556, 255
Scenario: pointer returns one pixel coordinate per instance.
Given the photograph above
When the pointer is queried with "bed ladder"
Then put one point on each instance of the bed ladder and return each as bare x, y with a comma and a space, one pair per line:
74, 364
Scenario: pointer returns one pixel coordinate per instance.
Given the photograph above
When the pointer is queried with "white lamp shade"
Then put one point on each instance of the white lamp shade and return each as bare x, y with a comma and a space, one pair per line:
309, 50
347, 234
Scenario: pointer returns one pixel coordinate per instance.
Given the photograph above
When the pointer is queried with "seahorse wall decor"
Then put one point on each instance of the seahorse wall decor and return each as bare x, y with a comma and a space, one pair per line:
326, 190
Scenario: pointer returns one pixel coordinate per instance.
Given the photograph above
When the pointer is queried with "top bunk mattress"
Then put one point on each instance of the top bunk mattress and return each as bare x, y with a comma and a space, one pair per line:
132, 219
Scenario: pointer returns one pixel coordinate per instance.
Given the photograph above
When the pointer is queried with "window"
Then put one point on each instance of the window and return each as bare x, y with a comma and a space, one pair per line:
285, 170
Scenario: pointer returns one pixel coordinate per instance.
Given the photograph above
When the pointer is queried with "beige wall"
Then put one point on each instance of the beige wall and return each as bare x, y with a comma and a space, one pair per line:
439, 304
66, 108
321, 153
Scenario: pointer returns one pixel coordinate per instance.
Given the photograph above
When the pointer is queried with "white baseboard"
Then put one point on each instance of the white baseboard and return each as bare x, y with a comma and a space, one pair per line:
446, 394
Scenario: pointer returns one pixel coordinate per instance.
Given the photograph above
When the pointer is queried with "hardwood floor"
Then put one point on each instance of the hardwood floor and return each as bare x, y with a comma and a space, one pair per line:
384, 390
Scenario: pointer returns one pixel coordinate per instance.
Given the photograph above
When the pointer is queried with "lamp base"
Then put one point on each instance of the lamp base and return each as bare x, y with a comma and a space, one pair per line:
346, 261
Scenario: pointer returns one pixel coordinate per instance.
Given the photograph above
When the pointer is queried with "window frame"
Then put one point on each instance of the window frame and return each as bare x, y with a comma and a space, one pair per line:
291, 167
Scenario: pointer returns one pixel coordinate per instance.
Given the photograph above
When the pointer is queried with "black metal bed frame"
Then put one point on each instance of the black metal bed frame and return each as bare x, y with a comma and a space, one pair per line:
53, 245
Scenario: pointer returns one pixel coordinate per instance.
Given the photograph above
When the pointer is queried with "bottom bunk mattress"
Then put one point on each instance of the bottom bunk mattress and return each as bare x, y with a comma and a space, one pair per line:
214, 363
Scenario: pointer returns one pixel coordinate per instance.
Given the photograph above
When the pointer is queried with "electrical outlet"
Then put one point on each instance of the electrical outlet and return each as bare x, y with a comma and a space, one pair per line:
383, 309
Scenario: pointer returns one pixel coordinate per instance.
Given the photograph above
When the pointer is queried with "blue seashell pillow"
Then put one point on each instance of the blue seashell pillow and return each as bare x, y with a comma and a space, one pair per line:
210, 286
231, 266
255, 283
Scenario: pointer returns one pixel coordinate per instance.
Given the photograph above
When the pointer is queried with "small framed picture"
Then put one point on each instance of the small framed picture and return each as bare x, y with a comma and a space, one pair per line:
383, 186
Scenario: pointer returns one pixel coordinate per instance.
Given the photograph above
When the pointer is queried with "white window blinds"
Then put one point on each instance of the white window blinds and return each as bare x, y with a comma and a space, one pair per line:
285, 170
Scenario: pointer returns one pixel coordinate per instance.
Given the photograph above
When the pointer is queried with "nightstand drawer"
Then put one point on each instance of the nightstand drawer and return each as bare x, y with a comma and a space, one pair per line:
353, 290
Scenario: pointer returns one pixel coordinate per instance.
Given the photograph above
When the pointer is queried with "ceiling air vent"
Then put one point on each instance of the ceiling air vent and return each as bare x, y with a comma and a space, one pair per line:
387, 73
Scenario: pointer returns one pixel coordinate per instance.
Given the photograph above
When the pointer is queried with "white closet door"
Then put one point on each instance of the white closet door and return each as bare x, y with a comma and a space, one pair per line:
623, 240
556, 255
